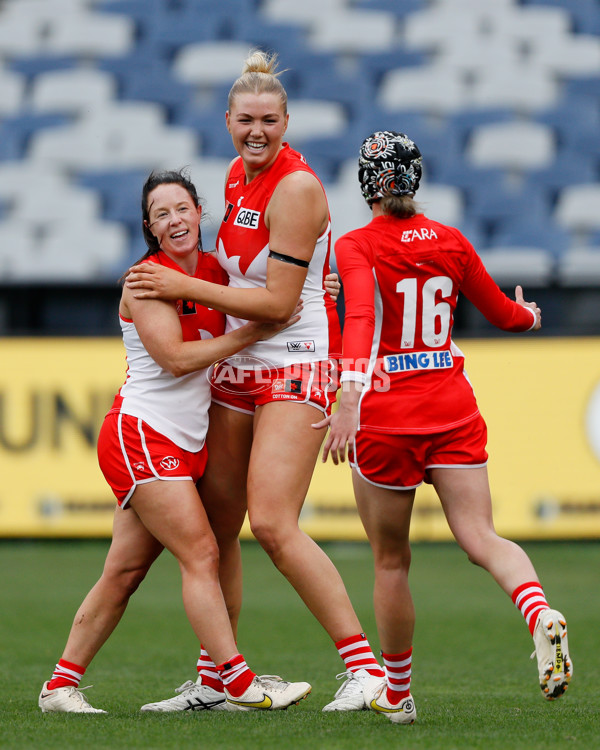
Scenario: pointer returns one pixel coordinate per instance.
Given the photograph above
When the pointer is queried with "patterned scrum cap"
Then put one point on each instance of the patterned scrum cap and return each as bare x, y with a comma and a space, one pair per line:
389, 163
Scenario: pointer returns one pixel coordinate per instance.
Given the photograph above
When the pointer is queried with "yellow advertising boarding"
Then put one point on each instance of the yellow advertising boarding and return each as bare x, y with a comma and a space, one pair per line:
540, 398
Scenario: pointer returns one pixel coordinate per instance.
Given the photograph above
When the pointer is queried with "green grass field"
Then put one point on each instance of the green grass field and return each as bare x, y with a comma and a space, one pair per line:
473, 682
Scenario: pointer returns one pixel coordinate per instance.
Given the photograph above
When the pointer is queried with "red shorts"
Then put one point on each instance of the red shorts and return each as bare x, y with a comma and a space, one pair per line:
313, 383
130, 452
402, 462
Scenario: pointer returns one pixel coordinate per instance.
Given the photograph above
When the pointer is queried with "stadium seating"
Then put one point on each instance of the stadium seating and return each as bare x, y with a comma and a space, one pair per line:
580, 267
513, 146
503, 98
528, 266
12, 90
72, 91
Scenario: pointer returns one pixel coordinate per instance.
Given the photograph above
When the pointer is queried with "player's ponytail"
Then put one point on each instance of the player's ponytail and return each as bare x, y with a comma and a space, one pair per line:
259, 76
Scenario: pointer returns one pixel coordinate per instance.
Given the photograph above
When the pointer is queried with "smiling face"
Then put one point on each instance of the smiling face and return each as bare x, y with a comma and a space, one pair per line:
257, 123
174, 219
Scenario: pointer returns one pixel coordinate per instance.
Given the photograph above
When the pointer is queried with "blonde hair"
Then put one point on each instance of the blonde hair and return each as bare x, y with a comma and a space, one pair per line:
259, 76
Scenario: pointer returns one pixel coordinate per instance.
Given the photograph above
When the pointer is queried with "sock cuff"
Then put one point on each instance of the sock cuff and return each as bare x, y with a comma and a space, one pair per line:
351, 641
523, 587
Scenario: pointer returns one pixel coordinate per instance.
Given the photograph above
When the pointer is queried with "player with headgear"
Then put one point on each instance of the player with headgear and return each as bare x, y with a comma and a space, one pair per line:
408, 413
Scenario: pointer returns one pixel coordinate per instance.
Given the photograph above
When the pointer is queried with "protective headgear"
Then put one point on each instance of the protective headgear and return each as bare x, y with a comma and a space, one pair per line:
389, 163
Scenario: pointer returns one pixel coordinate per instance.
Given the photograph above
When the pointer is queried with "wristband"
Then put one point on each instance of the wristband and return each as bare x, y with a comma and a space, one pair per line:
353, 376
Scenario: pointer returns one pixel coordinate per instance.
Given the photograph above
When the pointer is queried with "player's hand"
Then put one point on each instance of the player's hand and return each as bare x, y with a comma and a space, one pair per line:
332, 286
153, 281
343, 426
267, 330
519, 299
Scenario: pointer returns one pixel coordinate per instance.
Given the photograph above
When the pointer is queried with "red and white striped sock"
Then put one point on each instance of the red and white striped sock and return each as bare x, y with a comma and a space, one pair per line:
357, 654
236, 675
66, 674
531, 600
398, 670
207, 671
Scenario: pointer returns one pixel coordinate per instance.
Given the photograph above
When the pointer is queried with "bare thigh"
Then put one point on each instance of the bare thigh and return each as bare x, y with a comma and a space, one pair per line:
385, 515
173, 513
283, 458
467, 503
223, 486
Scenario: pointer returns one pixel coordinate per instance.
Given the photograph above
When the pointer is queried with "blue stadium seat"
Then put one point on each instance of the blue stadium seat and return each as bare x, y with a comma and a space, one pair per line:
497, 204
583, 86
160, 87
142, 61
532, 233
465, 121
209, 123
354, 92
285, 39
570, 116
302, 65
169, 30
375, 65
16, 131
400, 9
140, 11
325, 155
569, 168
585, 13
164, 26
120, 193
31, 66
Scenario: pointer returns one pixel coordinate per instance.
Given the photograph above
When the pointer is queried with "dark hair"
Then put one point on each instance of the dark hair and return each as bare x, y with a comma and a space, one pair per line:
165, 177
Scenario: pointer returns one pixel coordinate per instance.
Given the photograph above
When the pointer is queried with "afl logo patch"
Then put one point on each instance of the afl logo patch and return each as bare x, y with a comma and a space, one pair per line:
169, 463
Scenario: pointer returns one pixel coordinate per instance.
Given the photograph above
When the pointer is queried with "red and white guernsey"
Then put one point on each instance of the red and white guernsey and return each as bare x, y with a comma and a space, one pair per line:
177, 407
243, 249
401, 279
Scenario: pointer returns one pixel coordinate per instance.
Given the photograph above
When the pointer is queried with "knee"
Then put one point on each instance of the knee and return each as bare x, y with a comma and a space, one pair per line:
124, 581
203, 556
267, 535
393, 559
477, 550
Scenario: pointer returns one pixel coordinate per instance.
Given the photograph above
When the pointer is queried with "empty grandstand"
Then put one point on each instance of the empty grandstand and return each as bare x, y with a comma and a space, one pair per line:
502, 96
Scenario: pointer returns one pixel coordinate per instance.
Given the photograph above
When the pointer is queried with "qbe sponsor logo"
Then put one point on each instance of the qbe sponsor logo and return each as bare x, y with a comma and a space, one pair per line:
247, 218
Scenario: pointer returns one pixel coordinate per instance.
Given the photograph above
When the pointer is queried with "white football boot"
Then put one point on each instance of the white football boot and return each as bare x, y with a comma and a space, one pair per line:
66, 700
552, 651
268, 692
404, 712
349, 696
192, 696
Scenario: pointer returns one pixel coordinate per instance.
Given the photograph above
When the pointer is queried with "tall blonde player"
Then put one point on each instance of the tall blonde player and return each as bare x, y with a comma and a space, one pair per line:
274, 243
